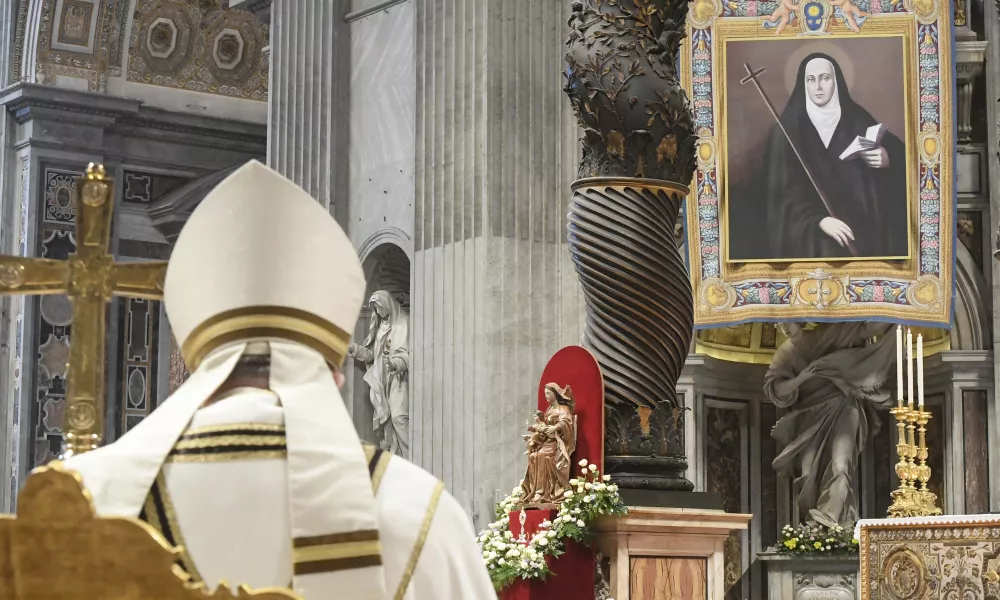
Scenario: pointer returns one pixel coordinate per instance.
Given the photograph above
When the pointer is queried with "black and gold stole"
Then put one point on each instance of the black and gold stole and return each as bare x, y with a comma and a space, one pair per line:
227, 443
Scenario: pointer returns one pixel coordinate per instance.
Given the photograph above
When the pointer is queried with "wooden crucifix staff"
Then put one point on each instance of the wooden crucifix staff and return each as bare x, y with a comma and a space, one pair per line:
752, 76
90, 277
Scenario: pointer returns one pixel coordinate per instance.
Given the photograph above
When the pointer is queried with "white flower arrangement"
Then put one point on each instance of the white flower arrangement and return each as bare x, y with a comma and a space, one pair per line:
508, 559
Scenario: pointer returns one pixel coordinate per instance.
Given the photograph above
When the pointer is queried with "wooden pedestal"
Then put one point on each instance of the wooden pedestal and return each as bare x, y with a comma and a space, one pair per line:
672, 553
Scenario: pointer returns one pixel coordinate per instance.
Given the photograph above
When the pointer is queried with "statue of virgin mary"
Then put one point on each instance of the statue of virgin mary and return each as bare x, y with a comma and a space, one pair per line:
385, 354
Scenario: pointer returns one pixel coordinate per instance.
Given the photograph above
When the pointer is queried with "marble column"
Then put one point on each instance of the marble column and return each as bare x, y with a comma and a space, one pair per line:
308, 108
10, 177
991, 29
494, 291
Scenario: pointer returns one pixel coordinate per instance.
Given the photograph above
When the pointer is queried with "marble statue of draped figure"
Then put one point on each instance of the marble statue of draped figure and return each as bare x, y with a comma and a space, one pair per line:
829, 378
385, 354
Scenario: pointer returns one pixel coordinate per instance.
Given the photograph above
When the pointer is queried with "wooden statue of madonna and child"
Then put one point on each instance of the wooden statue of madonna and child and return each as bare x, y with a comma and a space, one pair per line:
551, 444
566, 430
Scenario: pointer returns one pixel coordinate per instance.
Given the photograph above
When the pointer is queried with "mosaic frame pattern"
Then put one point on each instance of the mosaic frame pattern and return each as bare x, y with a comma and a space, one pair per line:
919, 290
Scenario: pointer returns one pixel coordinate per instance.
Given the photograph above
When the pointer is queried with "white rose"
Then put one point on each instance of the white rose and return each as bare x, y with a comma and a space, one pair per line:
606, 478
568, 494
552, 534
502, 561
588, 486
613, 488
579, 523
583, 463
593, 468
543, 541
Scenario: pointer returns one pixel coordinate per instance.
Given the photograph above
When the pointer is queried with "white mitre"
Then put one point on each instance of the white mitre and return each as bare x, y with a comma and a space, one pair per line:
283, 271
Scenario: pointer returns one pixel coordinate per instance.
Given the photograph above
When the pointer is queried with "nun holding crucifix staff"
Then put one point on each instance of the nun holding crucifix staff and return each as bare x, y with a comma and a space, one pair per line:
832, 188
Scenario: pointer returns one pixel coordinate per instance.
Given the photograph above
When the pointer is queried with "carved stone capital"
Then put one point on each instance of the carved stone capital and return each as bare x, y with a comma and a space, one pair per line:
969, 61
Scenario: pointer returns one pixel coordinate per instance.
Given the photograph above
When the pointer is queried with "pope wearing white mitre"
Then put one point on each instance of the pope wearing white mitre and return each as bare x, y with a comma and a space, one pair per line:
253, 466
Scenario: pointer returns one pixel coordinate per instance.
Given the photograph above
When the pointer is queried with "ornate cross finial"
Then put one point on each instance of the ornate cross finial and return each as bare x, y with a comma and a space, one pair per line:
90, 278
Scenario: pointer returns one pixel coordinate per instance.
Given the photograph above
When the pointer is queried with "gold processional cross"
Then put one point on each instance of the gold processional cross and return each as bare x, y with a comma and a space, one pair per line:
90, 277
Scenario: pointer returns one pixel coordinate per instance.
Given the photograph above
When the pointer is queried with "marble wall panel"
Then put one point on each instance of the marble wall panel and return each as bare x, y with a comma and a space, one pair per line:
936, 450
137, 362
725, 453
768, 477
383, 101
54, 316
883, 462
977, 469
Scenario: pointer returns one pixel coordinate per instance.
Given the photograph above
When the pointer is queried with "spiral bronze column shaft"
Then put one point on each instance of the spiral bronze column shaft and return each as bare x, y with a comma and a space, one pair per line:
640, 321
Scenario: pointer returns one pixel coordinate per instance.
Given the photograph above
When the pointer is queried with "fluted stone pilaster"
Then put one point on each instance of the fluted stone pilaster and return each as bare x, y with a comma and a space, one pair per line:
308, 98
494, 291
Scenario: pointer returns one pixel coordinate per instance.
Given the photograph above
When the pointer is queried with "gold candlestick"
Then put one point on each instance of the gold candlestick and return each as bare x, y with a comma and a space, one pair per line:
903, 501
902, 448
908, 500
926, 498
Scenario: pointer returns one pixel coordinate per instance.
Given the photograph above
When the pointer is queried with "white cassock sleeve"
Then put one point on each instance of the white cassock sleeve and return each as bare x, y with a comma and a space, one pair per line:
451, 566
428, 545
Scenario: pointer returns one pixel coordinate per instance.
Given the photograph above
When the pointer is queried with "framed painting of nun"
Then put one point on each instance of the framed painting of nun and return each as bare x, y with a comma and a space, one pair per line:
824, 188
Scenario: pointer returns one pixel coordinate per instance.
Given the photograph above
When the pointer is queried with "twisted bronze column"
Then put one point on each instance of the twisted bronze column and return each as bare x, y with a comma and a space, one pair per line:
638, 157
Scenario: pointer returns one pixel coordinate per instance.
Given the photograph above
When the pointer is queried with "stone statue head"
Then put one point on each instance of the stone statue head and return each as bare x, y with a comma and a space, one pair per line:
381, 303
384, 308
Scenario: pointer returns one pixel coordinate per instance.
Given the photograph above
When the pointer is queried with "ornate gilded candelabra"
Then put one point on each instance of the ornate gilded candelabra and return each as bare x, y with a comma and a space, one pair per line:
909, 500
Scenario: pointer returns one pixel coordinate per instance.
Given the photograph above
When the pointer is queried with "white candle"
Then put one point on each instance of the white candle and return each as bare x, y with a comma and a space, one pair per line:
920, 370
909, 367
899, 362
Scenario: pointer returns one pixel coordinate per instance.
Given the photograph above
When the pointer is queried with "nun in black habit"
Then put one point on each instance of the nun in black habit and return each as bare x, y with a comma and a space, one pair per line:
866, 194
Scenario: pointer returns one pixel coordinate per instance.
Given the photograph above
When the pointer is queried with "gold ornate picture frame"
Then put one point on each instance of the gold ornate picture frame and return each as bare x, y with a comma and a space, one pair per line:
896, 61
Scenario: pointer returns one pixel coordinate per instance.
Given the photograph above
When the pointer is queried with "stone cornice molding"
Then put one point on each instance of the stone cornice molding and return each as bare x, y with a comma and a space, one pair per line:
370, 10
969, 59
967, 368
28, 102
261, 8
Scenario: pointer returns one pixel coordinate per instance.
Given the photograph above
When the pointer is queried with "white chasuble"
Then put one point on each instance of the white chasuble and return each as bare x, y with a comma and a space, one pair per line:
222, 484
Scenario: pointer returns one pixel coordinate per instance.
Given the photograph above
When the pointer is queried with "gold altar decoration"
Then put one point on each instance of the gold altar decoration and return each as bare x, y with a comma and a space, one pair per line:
911, 500
755, 343
90, 277
58, 549
957, 557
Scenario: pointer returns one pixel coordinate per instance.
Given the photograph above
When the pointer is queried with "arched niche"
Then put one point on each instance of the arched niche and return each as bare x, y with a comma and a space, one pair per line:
387, 267
973, 314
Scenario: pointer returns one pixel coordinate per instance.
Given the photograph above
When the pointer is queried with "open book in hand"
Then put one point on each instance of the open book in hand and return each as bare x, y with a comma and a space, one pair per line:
871, 140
